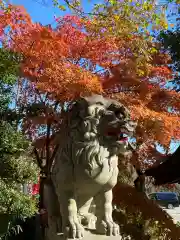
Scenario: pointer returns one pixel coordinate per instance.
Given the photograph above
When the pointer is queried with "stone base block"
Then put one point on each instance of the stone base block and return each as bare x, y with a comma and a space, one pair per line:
91, 235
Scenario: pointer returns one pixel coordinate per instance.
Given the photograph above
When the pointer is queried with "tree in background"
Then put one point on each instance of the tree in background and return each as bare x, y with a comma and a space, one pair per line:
109, 52
16, 164
171, 42
170, 39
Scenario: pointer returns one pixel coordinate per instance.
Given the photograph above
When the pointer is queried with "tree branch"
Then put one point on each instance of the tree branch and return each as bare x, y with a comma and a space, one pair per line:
39, 161
52, 157
48, 144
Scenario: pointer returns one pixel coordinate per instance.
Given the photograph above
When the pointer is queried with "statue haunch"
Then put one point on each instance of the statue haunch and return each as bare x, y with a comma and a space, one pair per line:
85, 168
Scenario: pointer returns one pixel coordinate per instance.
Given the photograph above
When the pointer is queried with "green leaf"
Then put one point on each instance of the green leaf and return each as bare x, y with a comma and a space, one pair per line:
157, 21
61, 7
153, 50
113, 2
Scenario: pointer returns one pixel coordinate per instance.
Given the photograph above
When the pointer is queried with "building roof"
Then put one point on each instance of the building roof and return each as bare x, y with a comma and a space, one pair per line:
167, 171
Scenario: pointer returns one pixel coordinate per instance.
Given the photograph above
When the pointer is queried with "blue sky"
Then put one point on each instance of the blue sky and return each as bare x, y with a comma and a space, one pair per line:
43, 10
45, 13
39, 12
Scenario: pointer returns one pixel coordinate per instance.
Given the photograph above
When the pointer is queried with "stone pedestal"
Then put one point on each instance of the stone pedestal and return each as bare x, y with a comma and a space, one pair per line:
91, 235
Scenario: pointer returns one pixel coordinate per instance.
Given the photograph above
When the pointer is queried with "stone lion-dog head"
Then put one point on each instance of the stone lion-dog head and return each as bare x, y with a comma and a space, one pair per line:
98, 128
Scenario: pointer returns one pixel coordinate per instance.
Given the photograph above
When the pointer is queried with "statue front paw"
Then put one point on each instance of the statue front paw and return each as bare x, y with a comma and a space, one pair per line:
109, 228
75, 230
88, 220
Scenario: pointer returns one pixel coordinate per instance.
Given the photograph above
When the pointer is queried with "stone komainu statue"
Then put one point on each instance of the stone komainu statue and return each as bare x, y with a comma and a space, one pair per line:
85, 168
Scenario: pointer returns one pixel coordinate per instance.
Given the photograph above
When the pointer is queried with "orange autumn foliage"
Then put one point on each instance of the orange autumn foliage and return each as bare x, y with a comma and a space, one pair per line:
71, 60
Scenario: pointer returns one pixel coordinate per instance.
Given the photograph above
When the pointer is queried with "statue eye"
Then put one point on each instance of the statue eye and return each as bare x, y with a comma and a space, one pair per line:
99, 103
117, 112
109, 115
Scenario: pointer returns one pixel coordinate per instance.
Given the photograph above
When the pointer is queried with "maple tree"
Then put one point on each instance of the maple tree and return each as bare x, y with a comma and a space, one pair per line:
101, 54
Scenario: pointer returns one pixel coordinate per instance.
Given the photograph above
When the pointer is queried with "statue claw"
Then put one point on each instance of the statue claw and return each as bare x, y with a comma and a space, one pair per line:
76, 231
108, 228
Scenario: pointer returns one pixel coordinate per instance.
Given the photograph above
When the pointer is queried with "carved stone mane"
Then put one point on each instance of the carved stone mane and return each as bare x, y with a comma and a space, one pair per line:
82, 139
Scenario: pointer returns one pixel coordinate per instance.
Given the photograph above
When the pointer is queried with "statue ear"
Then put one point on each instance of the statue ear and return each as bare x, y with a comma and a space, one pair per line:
78, 111
82, 108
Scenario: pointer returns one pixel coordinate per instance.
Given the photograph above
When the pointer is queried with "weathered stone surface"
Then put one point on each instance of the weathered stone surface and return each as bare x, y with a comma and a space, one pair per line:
86, 165
90, 235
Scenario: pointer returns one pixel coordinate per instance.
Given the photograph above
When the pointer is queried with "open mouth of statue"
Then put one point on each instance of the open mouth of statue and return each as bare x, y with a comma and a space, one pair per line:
120, 136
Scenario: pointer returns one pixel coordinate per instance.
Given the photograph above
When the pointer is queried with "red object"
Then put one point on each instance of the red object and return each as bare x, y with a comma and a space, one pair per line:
150, 86
35, 189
